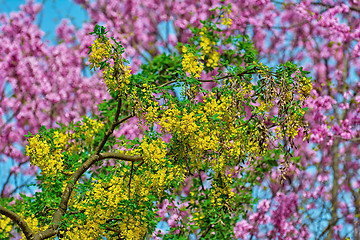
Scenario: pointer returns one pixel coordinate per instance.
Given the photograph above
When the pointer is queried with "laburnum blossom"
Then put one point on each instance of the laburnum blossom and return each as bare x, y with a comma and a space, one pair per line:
100, 51
191, 64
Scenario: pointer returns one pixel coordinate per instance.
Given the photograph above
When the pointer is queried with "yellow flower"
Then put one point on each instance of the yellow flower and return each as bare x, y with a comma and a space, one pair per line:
100, 50
227, 21
205, 44
306, 87
191, 64
5, 226
213, 59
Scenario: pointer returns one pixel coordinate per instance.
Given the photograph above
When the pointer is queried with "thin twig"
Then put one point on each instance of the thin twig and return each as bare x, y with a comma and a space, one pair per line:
111, 130
131, 173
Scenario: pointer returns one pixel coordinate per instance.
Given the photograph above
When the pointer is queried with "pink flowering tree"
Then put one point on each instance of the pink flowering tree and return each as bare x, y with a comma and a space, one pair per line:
40, 84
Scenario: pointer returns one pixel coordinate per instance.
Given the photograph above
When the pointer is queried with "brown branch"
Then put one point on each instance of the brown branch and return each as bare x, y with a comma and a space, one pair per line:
119, 156
141, 163
123, 120
335, 188
131, 173
352, 139
332, 6
19, 221
113, 230
332, 223
5, 183
10, 118
111, 130
211, 80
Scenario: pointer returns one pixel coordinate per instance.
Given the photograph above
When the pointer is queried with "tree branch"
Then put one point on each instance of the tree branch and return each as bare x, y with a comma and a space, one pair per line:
19, 221
120, 156
111, 130
131, 173
332, 6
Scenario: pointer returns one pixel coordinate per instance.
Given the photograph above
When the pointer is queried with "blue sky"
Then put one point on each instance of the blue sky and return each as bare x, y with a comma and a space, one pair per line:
52, 13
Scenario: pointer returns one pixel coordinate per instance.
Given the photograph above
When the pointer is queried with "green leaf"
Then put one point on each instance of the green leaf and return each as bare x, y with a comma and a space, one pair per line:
28, 135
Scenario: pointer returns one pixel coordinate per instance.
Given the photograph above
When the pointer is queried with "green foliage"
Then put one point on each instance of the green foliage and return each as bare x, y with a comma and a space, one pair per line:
218, 140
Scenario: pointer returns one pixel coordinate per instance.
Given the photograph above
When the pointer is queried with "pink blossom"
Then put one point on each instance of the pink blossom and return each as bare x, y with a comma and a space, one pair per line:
158, 233
323, 177
173, 220
263, 205
242, 229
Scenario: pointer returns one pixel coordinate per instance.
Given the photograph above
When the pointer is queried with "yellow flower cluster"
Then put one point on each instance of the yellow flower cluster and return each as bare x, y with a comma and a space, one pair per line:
198, 216
197, 128
161, 177
205, 44
305, 89
210, 127
222, 194
100, 50
48, 153
278, 132
5, 226
264, 106
289, 96
237, 147
208, 49
213, 60
100, 205
184, 126
133, 227
246, 88
37, 149
261, 68
61, 139
227, 21
293, 124
253, 147
117, 82
147, 94
191, 64
89, 128
116, 76
152, 113
154, 152
47, 158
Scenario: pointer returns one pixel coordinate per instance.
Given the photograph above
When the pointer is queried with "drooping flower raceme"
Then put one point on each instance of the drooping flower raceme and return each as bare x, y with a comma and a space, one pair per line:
107, 56
191, 64
100, 51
